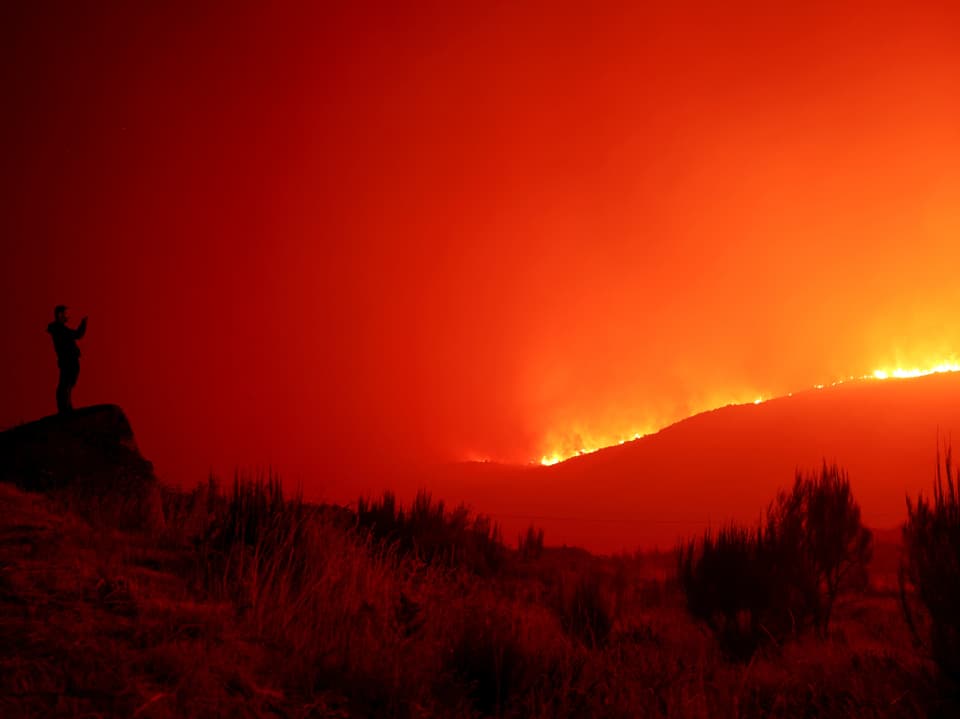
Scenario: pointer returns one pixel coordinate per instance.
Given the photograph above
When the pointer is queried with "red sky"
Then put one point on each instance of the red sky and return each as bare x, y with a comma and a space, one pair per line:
367, 233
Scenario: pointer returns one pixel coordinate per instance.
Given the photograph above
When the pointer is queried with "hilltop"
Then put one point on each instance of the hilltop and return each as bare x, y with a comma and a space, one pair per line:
722, 464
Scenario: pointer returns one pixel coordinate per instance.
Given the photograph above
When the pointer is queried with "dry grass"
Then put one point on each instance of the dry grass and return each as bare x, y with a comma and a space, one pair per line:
304, 616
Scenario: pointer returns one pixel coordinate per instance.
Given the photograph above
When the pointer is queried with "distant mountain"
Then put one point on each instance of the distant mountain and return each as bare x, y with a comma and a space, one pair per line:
723, 464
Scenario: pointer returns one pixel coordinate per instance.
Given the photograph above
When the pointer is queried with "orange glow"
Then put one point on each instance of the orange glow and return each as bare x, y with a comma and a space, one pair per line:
601, 440
900, 373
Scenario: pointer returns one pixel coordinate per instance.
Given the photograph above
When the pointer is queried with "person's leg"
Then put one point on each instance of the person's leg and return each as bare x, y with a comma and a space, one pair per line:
62, 392
68, 378
74, 376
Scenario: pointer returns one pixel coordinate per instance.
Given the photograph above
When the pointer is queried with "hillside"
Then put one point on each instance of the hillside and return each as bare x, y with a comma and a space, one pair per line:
723, 464
99, 622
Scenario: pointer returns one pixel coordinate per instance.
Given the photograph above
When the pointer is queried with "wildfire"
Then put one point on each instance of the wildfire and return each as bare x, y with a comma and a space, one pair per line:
556, 457
951, 365
900, 373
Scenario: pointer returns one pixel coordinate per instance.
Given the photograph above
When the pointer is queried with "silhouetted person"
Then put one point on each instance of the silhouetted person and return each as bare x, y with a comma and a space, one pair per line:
68, 355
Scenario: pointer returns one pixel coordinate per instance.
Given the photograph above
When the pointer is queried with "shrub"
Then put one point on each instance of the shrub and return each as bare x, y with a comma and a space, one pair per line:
530, 543
245, 529
585, 614
752, 585
489, 659
726, 580
189, 515
432, 534
930, 570
821, 519
253, 508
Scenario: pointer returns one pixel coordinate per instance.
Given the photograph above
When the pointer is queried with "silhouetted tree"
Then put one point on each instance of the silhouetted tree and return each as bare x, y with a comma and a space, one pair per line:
930, 570
530, 543
753, 585
823, 519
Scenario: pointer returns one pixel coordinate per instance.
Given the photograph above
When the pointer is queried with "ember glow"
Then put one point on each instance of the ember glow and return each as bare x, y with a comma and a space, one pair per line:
900, 373
560, 454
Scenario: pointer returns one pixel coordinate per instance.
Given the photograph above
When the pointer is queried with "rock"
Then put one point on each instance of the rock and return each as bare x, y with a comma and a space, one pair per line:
89, 457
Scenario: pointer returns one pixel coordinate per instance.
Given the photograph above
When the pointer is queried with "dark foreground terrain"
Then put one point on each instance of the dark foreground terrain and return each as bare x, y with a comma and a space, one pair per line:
241, 603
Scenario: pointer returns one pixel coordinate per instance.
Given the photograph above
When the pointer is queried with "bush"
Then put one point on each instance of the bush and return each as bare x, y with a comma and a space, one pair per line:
753, 585
253, 508
489, 659
530, 543
930, 570
585, 614
245, 529
822, 518
432, 534
727, 582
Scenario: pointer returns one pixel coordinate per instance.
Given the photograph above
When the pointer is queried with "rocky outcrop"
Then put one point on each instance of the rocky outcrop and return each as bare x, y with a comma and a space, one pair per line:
89, 457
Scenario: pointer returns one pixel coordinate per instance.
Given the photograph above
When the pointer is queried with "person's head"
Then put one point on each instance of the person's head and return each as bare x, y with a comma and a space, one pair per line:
60, 314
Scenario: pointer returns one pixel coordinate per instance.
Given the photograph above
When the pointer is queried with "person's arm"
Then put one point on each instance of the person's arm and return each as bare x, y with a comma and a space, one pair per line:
81, 330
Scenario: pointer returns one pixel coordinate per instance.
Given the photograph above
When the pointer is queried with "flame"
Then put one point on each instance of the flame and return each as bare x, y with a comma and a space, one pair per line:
561, 454
901, 373
558, 456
